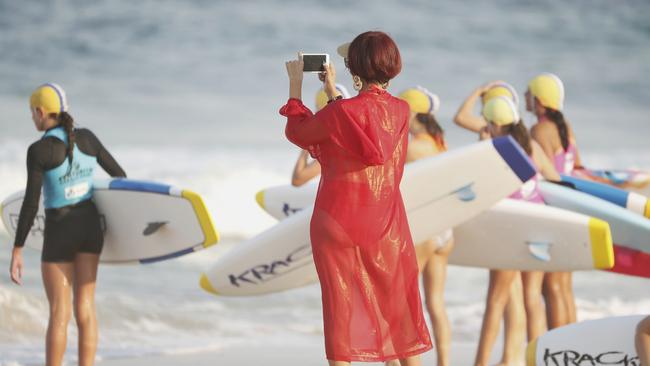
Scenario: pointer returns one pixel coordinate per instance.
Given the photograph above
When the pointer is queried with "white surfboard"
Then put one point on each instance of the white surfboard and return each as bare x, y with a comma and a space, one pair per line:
526, 236
143, 222
286, 200
438, 192
520, 235
458, 183
608, 341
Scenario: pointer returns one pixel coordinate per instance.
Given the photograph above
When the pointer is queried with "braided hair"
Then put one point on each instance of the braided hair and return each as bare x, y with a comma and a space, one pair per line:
65, 120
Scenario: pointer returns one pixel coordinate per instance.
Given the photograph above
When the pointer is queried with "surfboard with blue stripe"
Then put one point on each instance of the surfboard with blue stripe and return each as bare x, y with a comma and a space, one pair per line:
630, 200
144, 222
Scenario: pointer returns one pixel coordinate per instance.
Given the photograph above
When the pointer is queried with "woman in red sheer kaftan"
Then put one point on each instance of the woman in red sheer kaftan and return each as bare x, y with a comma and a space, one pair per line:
360, 236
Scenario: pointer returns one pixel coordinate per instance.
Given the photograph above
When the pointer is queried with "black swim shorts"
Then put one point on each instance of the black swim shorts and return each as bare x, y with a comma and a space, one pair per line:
70, 230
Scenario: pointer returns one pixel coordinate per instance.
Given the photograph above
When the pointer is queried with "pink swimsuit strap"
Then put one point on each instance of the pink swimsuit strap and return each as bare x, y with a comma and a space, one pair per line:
529, 191
564, 161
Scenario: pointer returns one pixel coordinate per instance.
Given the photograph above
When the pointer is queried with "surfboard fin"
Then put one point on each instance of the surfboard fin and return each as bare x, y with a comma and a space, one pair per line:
465, 193
540, 251
152, 227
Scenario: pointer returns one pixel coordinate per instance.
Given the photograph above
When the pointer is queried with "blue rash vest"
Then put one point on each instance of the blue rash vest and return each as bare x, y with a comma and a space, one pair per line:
68, 184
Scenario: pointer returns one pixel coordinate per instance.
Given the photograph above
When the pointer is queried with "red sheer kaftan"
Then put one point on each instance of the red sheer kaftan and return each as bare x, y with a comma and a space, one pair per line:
360, 236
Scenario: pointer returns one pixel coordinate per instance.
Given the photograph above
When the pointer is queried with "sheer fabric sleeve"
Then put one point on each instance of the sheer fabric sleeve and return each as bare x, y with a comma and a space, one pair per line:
303, 128
339, 124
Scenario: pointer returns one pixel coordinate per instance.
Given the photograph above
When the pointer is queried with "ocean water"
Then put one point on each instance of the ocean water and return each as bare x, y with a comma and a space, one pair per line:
187, 93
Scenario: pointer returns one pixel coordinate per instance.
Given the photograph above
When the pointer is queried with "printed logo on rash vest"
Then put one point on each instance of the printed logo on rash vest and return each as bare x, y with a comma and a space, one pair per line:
76, 172
70, 192
279, 267
76, 191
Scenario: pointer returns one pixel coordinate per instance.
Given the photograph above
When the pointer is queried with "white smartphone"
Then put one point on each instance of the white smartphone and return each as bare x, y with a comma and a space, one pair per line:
314, 62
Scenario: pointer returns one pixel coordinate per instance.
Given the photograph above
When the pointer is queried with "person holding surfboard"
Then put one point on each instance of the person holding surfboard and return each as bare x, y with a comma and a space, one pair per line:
306, 170
500, 117
427, 139
360, 237
545, 99
62, 163
532, 280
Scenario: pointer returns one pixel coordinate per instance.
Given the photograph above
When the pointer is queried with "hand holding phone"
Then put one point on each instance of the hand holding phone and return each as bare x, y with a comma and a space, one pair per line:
314, 62
329, 81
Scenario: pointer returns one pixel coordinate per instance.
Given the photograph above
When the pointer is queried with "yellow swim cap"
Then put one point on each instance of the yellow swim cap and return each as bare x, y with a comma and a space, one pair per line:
321, 96
501, 89
50, 97
421, 100
501, 111
549, 90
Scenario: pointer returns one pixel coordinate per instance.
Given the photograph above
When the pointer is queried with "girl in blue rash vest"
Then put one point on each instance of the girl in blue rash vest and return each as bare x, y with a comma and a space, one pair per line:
62, 163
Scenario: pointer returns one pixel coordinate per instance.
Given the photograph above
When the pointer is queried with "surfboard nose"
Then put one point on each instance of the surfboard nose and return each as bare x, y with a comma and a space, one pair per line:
205, 284
515, 157
259, 197
602, 250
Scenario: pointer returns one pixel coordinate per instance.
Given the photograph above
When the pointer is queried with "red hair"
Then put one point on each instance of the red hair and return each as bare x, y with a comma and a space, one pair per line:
374, 57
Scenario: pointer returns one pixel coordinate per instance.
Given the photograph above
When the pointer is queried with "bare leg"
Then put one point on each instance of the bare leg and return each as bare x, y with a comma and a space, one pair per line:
84, 306
556, 311
423, 253
57, 279
410, 361
433, 278
642, 341
569, 299
338, 363
535, 317
427, 258
515, 323
495, 303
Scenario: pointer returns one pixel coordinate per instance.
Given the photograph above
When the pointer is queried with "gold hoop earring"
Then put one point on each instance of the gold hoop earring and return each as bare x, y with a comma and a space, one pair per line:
357, 84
